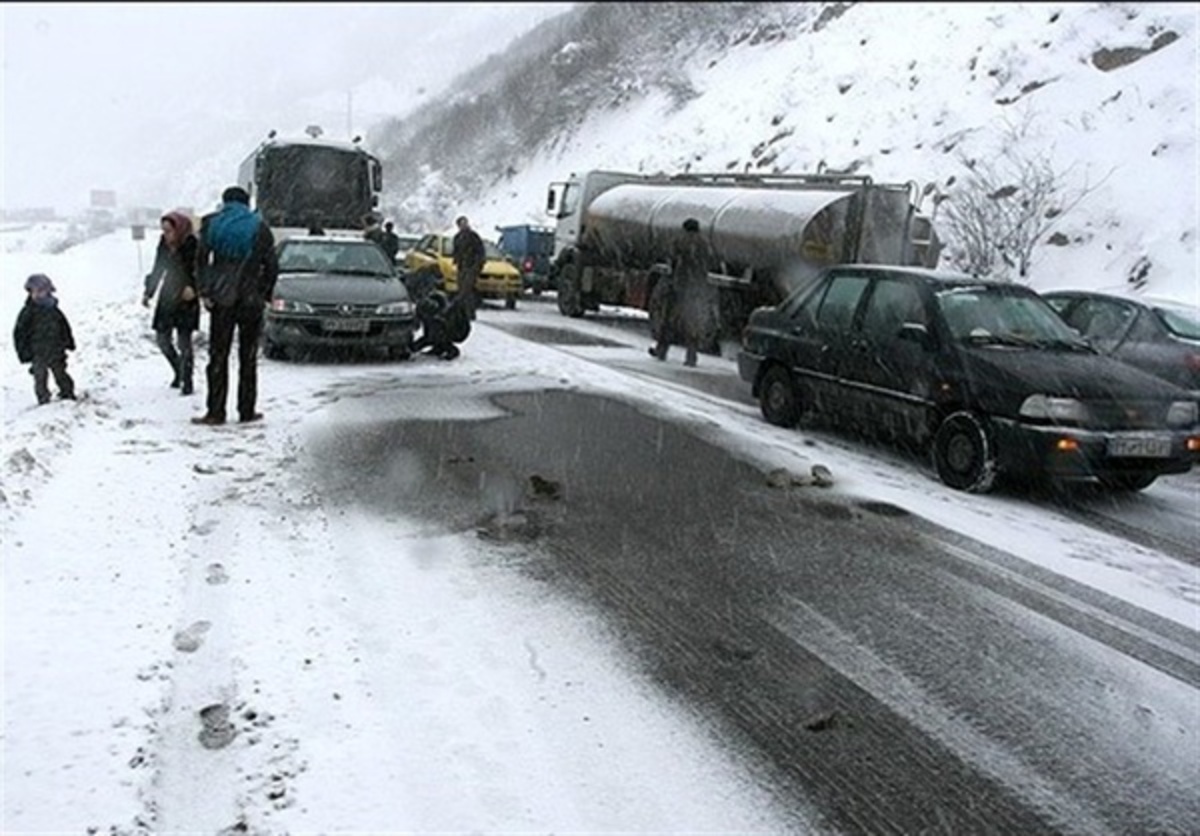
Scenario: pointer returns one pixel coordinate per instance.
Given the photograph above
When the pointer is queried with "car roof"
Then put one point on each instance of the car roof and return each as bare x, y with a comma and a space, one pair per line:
1143, 301
929, 273
326, 239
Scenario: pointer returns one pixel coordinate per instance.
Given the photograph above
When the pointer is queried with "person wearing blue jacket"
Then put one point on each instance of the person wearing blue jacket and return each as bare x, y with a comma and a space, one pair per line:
236, 272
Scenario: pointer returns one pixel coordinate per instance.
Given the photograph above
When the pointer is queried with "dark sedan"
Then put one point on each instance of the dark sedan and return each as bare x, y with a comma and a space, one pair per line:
337, 293
1158, 336
982, 373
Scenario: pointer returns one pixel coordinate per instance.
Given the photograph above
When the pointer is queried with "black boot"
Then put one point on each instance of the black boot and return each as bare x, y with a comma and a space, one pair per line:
185, 375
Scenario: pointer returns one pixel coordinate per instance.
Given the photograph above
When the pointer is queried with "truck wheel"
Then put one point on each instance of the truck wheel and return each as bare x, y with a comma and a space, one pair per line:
963, 454
779, 398
570, 302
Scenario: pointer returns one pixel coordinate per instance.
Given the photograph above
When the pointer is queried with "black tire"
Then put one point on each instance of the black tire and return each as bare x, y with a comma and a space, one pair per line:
510, 302
272, 351
780, 398
570, 297
963, 453
1127, 482
399, 353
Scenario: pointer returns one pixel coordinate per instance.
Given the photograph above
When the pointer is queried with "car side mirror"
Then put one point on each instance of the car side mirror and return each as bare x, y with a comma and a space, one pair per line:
915, 332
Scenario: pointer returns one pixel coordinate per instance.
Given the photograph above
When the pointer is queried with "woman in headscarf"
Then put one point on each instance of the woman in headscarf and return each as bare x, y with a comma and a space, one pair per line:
177, 313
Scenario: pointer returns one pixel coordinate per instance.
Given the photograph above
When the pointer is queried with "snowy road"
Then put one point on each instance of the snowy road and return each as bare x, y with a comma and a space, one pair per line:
346, 619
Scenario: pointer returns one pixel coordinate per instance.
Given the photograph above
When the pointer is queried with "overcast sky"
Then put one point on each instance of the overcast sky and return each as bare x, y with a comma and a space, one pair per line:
92, 92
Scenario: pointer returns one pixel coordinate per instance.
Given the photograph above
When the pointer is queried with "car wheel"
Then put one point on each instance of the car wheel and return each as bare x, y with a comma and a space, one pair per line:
510, 302
570, 301
1127, 482
779, 398
272, 351
399, 353
963, 454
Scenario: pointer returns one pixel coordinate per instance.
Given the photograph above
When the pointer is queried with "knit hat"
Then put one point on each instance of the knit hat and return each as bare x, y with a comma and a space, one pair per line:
39, 281
235, 194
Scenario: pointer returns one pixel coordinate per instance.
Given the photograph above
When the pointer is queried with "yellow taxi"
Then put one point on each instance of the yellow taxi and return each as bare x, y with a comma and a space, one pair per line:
499, 279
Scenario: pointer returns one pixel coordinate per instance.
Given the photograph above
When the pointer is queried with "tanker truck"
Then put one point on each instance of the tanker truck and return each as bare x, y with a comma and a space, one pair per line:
768, 234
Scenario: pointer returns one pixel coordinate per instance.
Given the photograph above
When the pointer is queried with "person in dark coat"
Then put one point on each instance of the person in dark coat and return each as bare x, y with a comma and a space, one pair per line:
444, 322
236, 273
469, 256
373, 228
177, 313
391, 241
42, 338
686, 302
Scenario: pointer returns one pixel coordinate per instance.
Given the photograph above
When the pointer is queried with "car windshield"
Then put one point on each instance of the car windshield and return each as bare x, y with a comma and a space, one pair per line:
999, 315
490, 250
1180, 320
350, 257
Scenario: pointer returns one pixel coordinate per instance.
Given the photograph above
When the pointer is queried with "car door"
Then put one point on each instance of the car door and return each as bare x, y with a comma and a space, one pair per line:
888, 368
827, 349
424, 254
1150, 346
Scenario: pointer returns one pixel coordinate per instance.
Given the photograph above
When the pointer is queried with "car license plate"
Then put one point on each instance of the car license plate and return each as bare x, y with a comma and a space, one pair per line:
1141, 448
357, 326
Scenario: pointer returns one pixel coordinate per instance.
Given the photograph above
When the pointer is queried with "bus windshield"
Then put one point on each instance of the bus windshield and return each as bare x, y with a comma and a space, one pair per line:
312, 185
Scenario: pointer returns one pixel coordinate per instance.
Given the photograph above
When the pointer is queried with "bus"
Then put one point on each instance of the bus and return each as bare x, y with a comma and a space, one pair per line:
312, 183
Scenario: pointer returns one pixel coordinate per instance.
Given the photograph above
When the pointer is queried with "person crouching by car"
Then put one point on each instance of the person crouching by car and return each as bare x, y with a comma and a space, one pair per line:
444, 322
177, 312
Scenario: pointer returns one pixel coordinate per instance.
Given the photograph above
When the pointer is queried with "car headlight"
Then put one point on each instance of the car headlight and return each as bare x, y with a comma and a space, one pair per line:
1059, 410
395, 309
279, 305
1182, 414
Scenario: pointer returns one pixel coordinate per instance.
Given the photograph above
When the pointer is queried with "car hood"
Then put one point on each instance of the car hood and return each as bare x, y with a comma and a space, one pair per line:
1069, 374
322, 288
492, 267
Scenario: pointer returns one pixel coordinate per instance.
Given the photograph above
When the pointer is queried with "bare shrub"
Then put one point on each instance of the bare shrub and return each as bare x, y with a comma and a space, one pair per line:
996, 214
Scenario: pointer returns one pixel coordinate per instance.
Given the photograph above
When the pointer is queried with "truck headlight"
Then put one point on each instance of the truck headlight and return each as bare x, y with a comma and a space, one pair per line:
1058, 410
1182, 414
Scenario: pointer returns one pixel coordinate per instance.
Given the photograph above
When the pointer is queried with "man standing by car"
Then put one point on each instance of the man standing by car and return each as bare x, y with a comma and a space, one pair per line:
391, 241
469, 256
236, 273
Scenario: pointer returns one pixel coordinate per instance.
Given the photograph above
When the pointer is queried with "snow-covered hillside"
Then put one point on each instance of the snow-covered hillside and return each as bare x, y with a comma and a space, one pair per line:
912, 93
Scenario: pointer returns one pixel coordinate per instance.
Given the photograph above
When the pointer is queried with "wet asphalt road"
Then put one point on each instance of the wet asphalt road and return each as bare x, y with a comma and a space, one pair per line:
898, 677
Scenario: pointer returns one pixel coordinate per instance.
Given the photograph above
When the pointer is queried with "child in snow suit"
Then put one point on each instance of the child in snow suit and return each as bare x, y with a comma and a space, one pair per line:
42, 338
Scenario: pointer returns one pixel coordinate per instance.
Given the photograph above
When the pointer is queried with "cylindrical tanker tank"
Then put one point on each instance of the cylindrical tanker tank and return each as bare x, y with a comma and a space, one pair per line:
762, 229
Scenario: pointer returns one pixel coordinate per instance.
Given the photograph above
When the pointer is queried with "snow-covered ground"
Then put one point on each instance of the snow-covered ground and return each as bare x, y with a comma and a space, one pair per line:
153, 569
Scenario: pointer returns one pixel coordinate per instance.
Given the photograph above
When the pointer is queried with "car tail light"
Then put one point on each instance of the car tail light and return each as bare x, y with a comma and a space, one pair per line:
1066, 444
1192, 361
527, 265
1193, 444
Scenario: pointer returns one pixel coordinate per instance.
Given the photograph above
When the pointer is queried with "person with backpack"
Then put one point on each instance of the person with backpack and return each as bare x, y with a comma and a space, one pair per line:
236, 273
